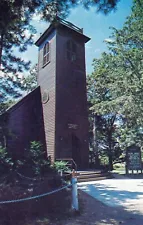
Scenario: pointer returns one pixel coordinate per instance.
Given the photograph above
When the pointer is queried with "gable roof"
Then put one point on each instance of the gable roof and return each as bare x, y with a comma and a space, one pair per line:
21, 101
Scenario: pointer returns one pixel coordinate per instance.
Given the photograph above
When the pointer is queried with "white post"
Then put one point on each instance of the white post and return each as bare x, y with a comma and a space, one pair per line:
74, 192
61, 173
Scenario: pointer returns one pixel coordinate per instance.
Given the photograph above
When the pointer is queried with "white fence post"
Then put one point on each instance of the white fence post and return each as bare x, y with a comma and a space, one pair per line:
74, 192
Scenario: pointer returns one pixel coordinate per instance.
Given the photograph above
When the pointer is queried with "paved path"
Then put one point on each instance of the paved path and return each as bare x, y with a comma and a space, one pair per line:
124, 193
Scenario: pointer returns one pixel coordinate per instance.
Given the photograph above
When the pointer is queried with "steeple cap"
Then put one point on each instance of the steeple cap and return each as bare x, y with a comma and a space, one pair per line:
57, 23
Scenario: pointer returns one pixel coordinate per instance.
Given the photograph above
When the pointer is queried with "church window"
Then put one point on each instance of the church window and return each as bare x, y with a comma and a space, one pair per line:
46, 54
71, 50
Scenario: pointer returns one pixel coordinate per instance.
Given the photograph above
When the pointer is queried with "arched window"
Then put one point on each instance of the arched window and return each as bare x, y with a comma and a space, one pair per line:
71, 50
46, 54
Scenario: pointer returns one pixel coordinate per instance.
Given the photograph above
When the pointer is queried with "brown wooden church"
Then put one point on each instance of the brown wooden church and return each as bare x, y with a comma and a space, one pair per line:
55, 113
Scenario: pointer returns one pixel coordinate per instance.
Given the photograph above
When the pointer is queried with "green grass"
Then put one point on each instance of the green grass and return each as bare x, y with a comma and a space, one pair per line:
119, 168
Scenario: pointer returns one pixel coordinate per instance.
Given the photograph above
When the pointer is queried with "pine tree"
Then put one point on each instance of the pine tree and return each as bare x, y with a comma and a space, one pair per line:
117, 79
15, 18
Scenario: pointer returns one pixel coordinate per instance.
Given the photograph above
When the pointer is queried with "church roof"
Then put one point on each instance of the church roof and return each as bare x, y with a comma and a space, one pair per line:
21, 101
58, 23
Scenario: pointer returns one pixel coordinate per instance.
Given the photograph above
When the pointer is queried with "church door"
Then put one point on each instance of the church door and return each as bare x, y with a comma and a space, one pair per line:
76, 150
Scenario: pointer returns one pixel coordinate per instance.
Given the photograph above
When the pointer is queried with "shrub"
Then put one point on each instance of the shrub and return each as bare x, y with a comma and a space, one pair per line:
60, 166
6, 163
35, 160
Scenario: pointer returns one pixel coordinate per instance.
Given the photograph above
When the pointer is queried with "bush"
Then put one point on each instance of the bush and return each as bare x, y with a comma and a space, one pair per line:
53, 205
35, 160
6, 163
61, 166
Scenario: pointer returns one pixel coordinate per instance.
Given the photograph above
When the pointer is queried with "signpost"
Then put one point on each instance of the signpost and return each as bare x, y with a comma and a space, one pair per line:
133, 159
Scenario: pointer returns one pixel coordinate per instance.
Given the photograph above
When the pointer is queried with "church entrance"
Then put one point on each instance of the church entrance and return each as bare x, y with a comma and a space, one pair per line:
76, 150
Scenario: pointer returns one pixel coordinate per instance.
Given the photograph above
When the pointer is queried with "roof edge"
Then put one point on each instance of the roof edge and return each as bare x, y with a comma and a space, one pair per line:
57, 23
17, 104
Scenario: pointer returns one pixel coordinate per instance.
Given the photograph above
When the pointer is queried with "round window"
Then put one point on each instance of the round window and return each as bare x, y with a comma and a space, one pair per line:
45, 97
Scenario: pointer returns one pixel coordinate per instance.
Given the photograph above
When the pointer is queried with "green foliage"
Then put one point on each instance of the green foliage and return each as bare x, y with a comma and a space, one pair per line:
6, 163
60, 166
15, 26
115, 87
127, 54
34, 162
30, 81
14, 22
11, 88
35, 159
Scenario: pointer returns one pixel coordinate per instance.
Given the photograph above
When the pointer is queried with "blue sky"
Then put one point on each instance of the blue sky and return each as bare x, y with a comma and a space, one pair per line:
95, 25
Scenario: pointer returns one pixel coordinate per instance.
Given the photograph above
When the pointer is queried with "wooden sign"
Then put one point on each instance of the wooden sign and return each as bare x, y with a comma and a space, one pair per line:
133, 158
72, 126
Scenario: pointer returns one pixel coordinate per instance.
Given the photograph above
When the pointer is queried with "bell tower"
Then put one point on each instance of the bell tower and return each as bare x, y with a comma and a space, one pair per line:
62, 78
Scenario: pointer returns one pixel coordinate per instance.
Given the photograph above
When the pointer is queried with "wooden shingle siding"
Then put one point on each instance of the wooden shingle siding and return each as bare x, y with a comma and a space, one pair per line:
25, 123
71, 99
46, 80
62, 82
65, 81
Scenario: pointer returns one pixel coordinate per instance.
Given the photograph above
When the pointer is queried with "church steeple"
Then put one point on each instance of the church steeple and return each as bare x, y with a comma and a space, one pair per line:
62, 78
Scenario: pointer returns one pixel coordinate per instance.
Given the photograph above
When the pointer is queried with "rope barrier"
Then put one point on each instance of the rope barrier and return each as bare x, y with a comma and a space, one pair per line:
34, 197
29, 178
74, 194
38, 179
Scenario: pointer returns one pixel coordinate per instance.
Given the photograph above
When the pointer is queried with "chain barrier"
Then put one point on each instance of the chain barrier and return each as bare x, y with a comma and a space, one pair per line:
35, 197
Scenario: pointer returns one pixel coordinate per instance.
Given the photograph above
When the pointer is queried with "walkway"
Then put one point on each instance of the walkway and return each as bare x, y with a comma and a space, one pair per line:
117, 192
124, 195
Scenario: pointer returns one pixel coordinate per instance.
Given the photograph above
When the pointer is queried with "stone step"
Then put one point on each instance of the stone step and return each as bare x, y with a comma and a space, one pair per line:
91, 175
88, 172
83, 176
92, 179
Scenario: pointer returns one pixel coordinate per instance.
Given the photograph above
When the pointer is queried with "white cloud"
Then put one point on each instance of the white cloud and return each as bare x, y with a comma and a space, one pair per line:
36, 17
35, 37
1, 74
109, 40
27, 33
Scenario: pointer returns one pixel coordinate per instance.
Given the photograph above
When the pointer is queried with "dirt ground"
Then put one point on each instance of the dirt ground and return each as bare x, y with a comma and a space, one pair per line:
93, 212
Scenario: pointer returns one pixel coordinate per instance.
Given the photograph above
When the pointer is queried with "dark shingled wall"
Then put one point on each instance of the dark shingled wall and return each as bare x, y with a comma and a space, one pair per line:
25, 123
65, 82
46, 80
71, 101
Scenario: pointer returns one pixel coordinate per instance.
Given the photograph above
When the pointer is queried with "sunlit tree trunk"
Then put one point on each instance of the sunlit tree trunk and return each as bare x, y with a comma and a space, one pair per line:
1, 48
95, 144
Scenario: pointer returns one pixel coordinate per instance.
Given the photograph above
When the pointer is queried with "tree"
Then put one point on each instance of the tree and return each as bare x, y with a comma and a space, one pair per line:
14, 22
104, 117
15, 18
30, 81
127, 49
13, 87
117, 80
